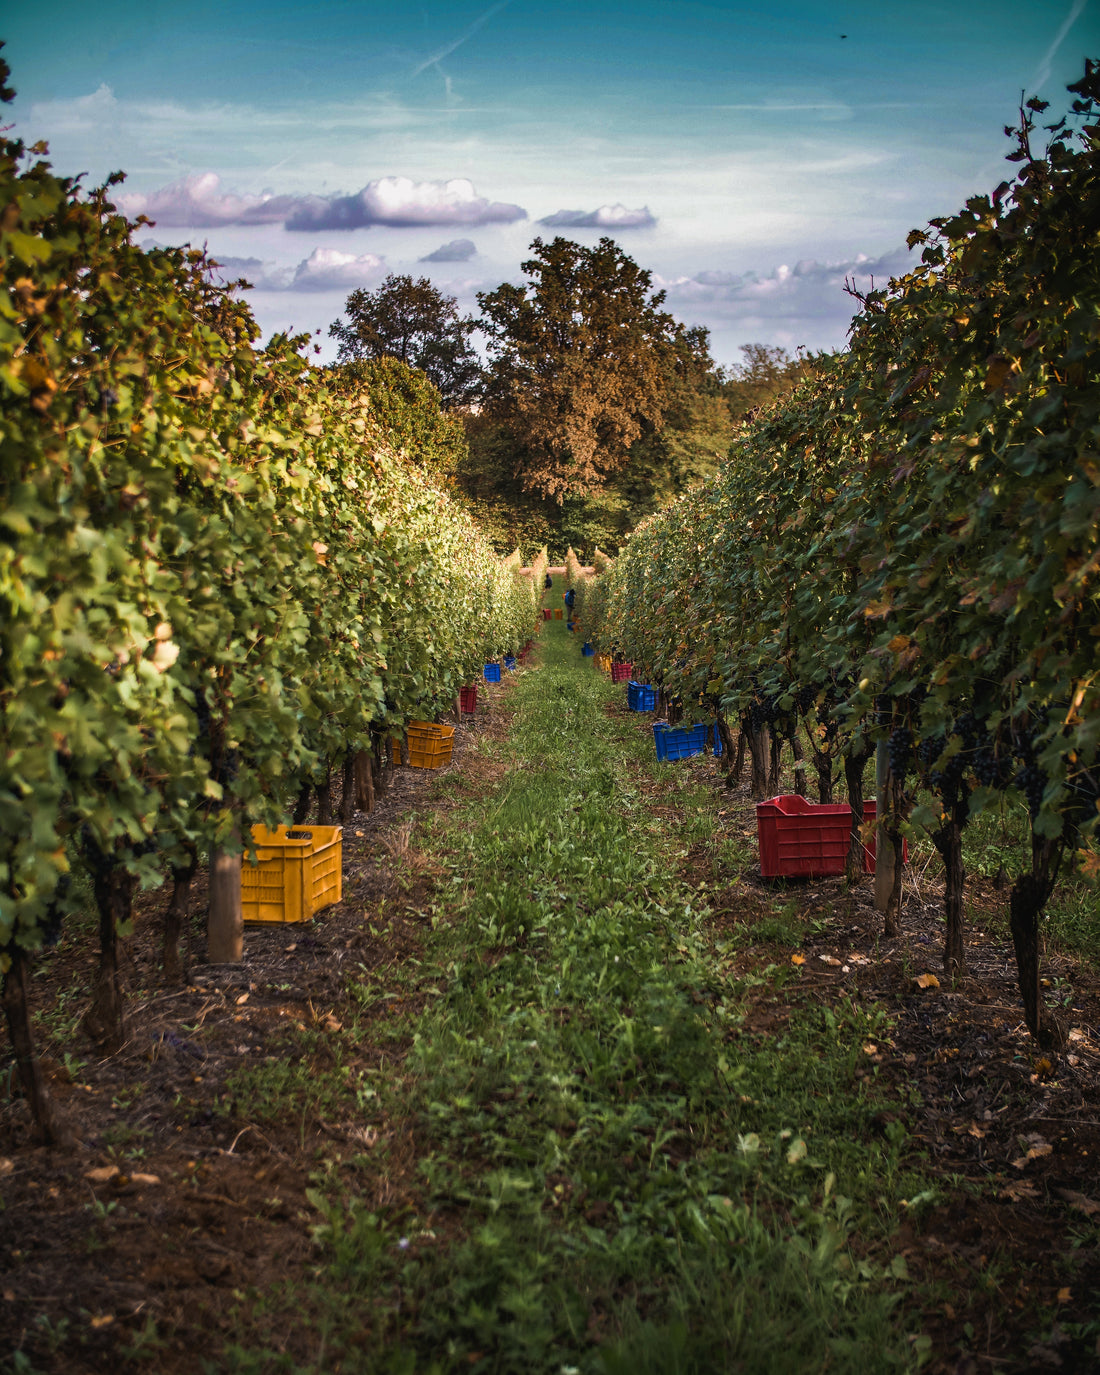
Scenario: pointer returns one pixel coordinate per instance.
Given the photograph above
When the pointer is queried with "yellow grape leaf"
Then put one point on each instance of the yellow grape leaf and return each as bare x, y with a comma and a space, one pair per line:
798, 959
1064, 1295
926, 981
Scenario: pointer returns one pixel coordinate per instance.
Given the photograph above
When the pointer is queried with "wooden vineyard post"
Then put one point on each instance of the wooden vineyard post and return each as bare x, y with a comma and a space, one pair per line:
225, 923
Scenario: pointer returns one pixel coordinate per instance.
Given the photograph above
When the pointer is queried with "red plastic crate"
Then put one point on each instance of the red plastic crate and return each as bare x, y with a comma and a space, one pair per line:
545, 613
467, 698
621, 673
803, 839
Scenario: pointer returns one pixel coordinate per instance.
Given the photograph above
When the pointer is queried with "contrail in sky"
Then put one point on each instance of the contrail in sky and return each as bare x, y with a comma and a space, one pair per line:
446, 51
1059, 38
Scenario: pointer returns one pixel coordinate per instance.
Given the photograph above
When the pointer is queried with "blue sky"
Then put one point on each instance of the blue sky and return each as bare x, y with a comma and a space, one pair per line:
750, 156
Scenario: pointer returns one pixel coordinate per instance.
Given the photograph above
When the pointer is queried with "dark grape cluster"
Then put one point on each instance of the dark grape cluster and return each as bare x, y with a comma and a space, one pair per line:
900, 749
1032, 782
988, 769
762, 713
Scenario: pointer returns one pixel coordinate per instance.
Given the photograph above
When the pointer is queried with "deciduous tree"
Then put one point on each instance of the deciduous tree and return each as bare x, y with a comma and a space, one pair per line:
580, 362
416, 324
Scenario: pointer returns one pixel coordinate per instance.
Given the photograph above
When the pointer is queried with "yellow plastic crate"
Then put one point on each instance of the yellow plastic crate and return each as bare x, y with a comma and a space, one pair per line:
430, 747
297, 872
603, 663
557, 614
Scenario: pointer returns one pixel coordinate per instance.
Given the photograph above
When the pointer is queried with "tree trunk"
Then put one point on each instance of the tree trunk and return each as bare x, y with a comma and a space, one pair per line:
114, 890
324, 799
17, 1014
884, 858
759, 743
225, 923
799, 756
182, 875
347, 781
948, 841
1028, 898
722, 726
364, 782
775, 763
854, 765
890, 851
378, 763
301, 807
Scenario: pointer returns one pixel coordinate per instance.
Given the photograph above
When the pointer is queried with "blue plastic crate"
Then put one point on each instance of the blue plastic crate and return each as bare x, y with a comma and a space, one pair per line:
588, 650
676, 742
492, 673
641, 697
510, 662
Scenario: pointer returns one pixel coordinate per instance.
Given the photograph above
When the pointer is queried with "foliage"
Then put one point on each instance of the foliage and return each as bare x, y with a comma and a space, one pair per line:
407, 408
580, 358
416, 324
904, 546
216, 576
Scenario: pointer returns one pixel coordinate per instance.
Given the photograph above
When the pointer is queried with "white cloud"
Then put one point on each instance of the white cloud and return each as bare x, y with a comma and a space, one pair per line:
457, 251
199, 202
606, 217
327, 269
403, 203
809, 290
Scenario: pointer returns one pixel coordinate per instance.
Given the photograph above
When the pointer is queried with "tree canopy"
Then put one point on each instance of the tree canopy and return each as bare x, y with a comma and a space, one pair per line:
416, 324
581, 359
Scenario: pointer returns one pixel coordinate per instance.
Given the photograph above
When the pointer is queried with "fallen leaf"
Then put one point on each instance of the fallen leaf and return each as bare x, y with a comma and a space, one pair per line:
798, 959
975, 1130
148, 1180
926, 981
797, 1152
105, 1321
1037, 1152
1064, 1295
1019, 1190
6, 1166
360, 833
242, 999
870, 1048
829, 959
101, 1174
292, 947
330, 1023
1081, 1202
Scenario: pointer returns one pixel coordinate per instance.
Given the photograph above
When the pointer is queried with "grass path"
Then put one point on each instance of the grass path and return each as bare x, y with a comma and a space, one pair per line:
614, 1172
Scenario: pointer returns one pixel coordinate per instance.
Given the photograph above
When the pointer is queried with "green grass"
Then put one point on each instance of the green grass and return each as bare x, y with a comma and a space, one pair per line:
615, 1173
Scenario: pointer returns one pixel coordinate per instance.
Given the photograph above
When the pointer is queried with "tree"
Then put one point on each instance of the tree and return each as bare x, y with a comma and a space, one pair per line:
580, 363
416, 324
765, 374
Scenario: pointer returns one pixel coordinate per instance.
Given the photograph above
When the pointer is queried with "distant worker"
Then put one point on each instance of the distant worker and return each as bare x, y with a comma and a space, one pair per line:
549, 581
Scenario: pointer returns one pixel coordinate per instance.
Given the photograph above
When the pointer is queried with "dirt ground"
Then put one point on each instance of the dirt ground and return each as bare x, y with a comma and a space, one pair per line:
137, 1249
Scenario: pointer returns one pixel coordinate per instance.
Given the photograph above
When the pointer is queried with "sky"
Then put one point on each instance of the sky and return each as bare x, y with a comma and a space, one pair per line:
752, 157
